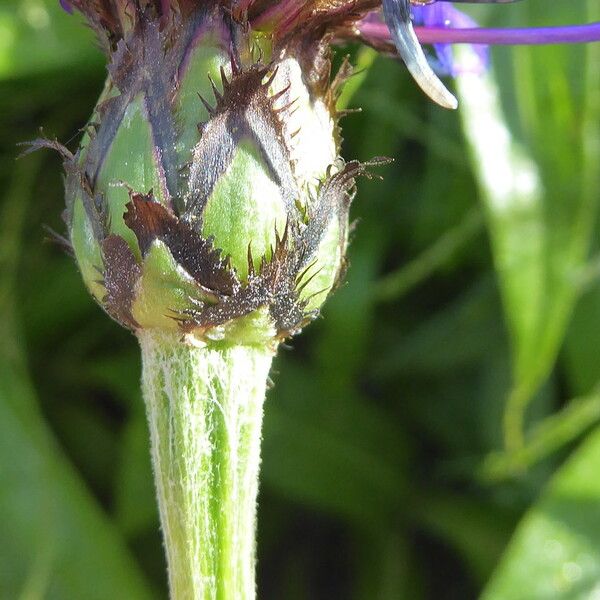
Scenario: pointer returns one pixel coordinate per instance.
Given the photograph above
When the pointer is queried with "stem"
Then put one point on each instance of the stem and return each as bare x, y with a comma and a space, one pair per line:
205, 414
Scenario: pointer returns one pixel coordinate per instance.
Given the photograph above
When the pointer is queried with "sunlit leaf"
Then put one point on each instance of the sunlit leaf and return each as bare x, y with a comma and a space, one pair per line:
540, 218
555, 553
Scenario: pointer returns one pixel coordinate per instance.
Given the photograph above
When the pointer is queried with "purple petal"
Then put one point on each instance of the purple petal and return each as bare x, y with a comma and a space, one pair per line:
373, 29
446, 16
66, 6
570, 34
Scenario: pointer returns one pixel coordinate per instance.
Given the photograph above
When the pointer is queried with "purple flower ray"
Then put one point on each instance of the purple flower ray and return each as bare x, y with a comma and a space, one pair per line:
573, 34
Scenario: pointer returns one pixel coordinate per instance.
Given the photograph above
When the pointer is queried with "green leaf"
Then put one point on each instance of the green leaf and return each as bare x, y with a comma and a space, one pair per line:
540, 217
555, 553
580, 357
56, 541
551, 434
38, 36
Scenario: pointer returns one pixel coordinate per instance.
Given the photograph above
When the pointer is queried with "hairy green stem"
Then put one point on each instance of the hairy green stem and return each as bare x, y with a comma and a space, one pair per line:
205, 407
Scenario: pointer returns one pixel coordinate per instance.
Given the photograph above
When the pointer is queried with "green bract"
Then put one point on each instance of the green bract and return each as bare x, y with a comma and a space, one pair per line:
208, 196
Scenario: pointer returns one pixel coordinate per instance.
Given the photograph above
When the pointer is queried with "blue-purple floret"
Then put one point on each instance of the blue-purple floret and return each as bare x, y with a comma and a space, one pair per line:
443, 14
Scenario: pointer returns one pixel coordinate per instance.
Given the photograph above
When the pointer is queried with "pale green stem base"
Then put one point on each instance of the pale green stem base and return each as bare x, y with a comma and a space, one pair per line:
205, 409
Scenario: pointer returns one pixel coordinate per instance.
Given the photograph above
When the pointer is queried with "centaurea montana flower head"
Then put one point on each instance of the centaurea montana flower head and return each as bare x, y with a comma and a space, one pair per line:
208, 195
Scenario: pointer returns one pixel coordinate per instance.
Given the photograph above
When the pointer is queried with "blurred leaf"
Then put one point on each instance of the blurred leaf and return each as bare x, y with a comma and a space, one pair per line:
403, 121
555, 553
55, 539
581, 346
549, 435
50, 522
349, 317
425, 350
135, 499
392, 576
64, 304
308, 445
476, 531
540, 232
396, 284
118, 372
37, 35
364, 59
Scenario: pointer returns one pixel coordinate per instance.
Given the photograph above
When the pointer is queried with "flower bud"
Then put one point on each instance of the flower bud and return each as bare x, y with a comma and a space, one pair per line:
207, 195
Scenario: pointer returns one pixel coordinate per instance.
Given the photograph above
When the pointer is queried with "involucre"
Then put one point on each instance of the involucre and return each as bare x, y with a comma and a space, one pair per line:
208, 195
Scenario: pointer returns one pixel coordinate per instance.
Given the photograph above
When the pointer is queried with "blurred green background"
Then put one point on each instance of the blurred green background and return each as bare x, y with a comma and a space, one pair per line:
436, 435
